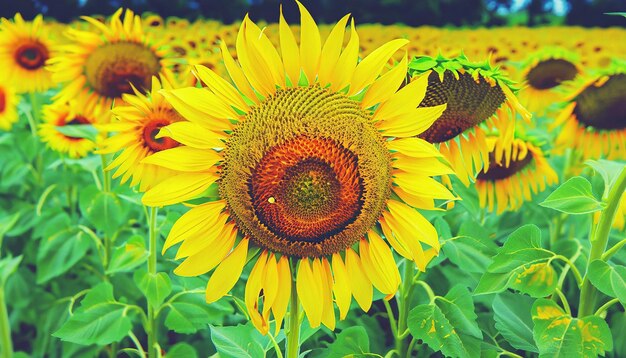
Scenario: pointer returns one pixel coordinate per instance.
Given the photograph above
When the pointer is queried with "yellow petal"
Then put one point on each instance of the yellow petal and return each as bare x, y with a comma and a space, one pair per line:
414, 147
224, 90
270, 283
191, 220
259, 76
397, 245
208, 258
237, 75
383, 258
347, 61
421, 228
367, 70
415, 201
341, 288
425, 187
254, 285
289, 49
191, 134
310, 44
179, 188
360, 285
412, 122
323, 270
195, 115
184, 159
331, 51
386, 85
406, 238
201, 239
420, 166
263, 49
279, 307
204, 101
227, 273
409, 97
310, 293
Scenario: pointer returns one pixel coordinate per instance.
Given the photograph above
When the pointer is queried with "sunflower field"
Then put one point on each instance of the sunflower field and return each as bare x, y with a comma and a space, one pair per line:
176, 188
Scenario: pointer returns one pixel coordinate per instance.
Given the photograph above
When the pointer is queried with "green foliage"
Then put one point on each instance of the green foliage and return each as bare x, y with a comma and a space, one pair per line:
559, 335
574, 197
350, 341
128, 256
189, 313
513, 320
610, 280
155, 287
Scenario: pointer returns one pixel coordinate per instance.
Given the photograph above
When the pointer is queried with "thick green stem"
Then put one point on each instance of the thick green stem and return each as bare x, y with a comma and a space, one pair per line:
152, 270
403, 307
599, 240
293, 335
5, 328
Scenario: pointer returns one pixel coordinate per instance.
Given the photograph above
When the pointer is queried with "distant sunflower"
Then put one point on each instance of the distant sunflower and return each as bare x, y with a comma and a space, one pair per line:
307, 151
97, 68
8, 107
480, 98
136, 136
509, 182
594, 118
24, 49
543, 72
61, 114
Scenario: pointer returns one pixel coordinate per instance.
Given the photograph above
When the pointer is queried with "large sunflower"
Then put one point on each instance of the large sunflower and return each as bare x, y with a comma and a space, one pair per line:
24, 49
509, 182
98, 67
60, 114
594, 118
543, 72
316, 160
480, 100
8, 107
137, 128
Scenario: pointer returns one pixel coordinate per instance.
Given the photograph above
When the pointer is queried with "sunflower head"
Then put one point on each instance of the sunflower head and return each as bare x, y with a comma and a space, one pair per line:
103, 64
8, 107
24, 49
316, 160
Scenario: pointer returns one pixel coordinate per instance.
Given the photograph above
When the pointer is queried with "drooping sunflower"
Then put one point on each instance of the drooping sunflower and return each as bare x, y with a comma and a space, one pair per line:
480, 99
8, 107
543, 72
316, 160
509, 182
24, 50
60, 114
137, 136
98, 67
594, 117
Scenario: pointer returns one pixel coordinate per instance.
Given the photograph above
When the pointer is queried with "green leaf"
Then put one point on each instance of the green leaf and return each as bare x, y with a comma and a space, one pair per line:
155, 287
79, 131
448, 325
351, 341
469, 253
609, 170
573, 197
536, 280
103, 209
514, 321
422, 64
521, 248
8, 265
493, 283
58, 253
559, 335
190, 313
99, 320
128, 256
616, 13
610, 280
181, 350
7, 222
238, 341
617, 322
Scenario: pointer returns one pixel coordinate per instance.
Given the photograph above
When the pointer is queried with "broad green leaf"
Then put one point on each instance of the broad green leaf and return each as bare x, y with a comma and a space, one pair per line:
351, 341
617, 322
238, 341
609, 170
611, 280
99, 320
190, 313
469, 253
58, 253
181, 350
79, 131
536, 280
155, 287
128, 256
103, 209
7, 223
573, 197
448, 325
8, 265
521, 248
514, 321
557, 334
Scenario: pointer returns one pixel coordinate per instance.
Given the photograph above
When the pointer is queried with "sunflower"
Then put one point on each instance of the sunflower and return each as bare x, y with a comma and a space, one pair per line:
507, 183
97, 68
317, 164
60, 114
542, 73
136, 136
8, 107
24, 49
479, 98
594, 117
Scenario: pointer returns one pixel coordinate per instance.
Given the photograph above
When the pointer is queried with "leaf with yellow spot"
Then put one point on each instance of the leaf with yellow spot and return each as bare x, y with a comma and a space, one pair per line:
536, 280
558, 334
